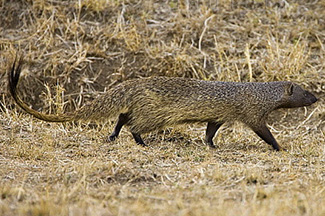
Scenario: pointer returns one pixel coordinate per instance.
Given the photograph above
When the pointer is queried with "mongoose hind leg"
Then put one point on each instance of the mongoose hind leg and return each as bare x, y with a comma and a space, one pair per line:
138, 139
122, 120
264, 133
211, 131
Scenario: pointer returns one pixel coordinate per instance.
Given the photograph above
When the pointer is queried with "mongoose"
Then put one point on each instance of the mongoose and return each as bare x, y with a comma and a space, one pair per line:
149, 104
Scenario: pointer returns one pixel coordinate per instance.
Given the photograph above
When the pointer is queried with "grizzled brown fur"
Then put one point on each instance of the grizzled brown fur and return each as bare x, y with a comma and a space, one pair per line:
149, 104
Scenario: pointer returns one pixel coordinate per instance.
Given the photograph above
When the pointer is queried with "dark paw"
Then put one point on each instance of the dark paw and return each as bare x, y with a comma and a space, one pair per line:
111, 138
280, 149
211, 145
142, 144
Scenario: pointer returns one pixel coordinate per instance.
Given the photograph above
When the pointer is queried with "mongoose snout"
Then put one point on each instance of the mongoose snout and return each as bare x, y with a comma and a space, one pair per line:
145, 105
312, 99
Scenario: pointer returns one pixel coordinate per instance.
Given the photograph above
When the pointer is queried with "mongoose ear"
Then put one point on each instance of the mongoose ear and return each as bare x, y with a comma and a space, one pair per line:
289, 89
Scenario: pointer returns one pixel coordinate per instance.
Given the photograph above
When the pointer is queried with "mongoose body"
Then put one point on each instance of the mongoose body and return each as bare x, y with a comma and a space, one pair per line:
149, 104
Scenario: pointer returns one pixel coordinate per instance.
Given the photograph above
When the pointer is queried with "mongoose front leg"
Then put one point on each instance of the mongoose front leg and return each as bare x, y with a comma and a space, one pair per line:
211, 131
122, 120
266, 135
138, 139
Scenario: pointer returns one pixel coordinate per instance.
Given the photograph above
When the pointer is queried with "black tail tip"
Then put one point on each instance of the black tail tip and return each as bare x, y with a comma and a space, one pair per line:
14, 73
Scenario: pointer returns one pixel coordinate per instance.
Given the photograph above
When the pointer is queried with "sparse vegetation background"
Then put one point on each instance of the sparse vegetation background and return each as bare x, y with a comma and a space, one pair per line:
76, 50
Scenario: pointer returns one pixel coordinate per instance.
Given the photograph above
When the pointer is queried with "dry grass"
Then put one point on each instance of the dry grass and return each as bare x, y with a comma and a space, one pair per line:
74, 50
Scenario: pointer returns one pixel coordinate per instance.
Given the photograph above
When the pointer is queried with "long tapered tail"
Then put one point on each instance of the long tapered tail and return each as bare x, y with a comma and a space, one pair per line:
13, 79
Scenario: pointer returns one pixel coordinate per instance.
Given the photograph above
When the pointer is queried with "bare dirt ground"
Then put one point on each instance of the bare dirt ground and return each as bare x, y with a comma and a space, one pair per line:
76, 50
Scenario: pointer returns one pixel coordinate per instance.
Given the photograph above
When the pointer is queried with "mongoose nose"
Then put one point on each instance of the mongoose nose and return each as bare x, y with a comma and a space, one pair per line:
314, 99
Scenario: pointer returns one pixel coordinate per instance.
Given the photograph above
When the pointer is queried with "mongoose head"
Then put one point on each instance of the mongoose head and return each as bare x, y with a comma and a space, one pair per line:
295, 96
